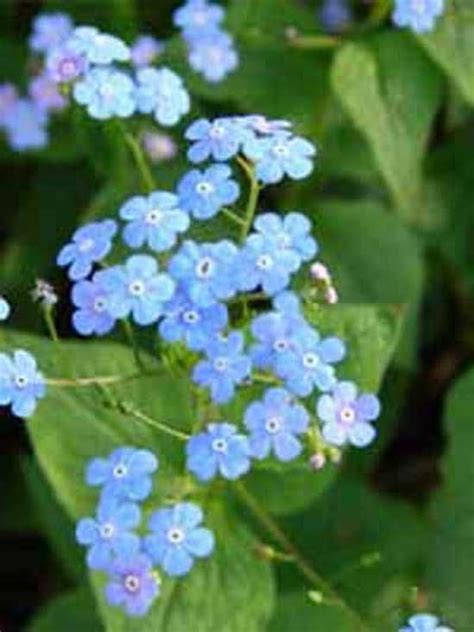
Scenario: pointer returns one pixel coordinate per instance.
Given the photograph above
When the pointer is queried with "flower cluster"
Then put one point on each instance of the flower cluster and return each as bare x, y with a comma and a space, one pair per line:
175, 537
99, 71
211, 50
418, 15
425, 623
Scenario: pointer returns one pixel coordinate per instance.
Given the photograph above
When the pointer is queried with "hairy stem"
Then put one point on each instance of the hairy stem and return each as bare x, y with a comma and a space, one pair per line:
253, 198
140, 159
50, 324
128, 409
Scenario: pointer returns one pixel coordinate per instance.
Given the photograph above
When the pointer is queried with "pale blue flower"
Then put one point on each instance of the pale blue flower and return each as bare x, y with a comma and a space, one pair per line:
64, 65
145, 49
50, 30
21, 384
197, 17
45, 94
92, 315
162, 93
106, 93
219, 139
418, 15
204, 193
25, 126
425, 623
133, 584
291, 234
97, 47
214, 56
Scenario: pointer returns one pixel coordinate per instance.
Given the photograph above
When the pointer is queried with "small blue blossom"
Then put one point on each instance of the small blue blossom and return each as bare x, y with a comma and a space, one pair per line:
125, 474
425, 623
307, 363
98, 48
137, 288
279, 155
184, 321
205, 271
178, 538
224, 367
92, 315
25, 126
106, 93
291, 234
162, 93
204, 193
214, 56
63, 64
110, 533
145, 50
155, 220
345, 415
220, 449
419, 15
220, 139
4, 309
335, 15
197, 17
133, 584
274, 424
45, 95
50, 30
90, 244
8, 100
21, 384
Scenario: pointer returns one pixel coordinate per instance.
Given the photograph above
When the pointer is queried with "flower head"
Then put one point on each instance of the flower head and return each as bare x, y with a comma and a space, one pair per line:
219, 449
63, 64
274, 425
8, 99
425, 623
4, 308
335, 15
90, 244
110, 532
214, 56
145, 50
224, 367
196, 326
106, 93
97, 47
125, 474
25, 125
178, 538
49, 31
162, 93
155, 220
346, 415
21, 384
133, 585
291, 234
45, 94
219, 139
418, 15
205, 271
91, 300
197, 17
204, 193
137, 288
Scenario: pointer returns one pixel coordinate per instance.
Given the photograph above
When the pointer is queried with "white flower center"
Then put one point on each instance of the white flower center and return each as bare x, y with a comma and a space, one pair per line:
264, 262
280, 345
21, 381
175, 535
221, 364
217, 131
132, 583
154, 216
100, 304
120, 470
280, 150
310, 360
137, 288
273, 425
191, 317
86, 245
219, 445
107, 91
204, 188
347, 415
205, 268
67, 67
107, 530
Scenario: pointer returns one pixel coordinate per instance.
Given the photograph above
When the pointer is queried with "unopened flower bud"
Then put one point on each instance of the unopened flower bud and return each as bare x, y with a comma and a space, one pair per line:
317, 461
44, 293
332, 297
319, 272
159, 147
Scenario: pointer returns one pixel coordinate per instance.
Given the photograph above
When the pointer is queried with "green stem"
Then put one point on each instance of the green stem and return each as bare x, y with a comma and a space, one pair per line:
280, 537
153, 423
50, 324
379, 12
133, 341
140, 159
314, 42
253, 198
92, 381
233, 216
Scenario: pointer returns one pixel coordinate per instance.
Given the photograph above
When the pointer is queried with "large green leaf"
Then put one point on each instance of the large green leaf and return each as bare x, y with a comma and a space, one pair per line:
450, 45
297, 613
450, 570
392, 93
74, 612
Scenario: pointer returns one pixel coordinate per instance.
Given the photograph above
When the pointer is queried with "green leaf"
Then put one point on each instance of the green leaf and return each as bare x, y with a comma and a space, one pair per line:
450, 45
297, 613
450, 571
392, 93
74, 612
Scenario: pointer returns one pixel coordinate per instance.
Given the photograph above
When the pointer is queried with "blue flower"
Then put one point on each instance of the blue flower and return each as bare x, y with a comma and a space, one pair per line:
155, 220
213, 55
346, 415
279, 155
197, 17
204, 193
335, 15
220, 449
425, 623
21, 384
45, 94
307, 363
92, 315
63, 64
4, 309
194, 325
90, 244
133, 585
49, 31
262, 263
106, 93
274, 425
145, 50
419, 15
162, 93
220, 139
25, 125
291, 233
8, 100
205, 271
98, 48
109, 534
137, 288
125, 474
178, 538
225, 366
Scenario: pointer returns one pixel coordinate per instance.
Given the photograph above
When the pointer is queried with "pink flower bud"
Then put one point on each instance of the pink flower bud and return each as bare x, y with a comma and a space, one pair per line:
320, 272
317, 461
332, 296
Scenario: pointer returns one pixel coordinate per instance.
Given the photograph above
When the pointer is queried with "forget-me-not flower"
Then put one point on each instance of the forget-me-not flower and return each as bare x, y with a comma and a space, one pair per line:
50, 30
133, 584
63, 64
291, 234
162, 93
25, 126
219, 139
97, 47
91, 300
21, 384
45, 94
220, 449
106, 93
178, 538
145, 50
204, 193
214, 56
8, 100
425, 623
197, 17
419, 15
